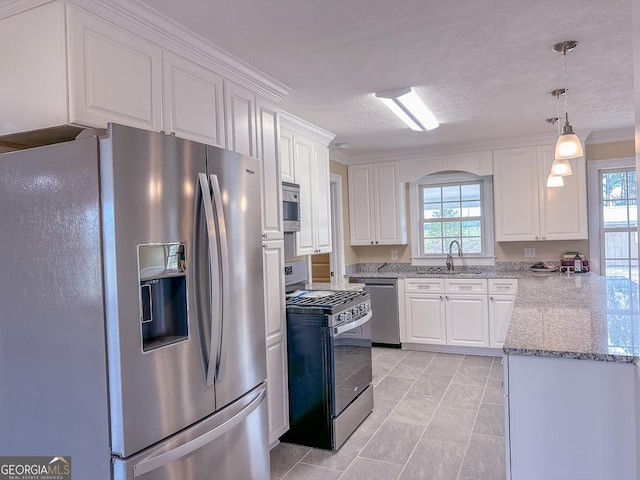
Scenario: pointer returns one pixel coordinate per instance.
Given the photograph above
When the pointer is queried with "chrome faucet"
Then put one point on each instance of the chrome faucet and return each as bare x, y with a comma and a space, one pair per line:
449, 257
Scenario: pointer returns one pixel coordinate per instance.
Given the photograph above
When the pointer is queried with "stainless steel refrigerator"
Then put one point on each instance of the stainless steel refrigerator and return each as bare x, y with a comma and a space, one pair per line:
131, 301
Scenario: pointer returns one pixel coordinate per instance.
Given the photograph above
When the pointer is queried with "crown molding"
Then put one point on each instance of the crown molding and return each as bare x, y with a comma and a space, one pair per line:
12, 7
611, 136
299, 126
142, 20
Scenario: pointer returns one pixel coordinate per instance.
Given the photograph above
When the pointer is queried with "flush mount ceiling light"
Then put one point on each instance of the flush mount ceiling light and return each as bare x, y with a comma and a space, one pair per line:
409, 108
560, 166
568, 144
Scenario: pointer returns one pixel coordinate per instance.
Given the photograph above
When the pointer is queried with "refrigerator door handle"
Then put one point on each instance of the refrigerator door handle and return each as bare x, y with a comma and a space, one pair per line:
224, 266
149, 464
213, 275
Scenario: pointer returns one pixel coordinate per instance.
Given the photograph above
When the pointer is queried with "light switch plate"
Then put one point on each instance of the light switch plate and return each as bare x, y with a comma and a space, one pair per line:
529, 252
394, 254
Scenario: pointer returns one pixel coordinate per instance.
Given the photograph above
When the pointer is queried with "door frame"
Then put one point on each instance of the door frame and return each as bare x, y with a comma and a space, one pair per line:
336, 257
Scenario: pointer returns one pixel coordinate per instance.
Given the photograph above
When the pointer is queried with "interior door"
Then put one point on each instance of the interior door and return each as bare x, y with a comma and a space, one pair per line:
149, 193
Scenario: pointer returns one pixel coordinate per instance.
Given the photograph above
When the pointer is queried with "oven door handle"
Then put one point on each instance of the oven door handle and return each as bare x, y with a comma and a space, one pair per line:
350, 326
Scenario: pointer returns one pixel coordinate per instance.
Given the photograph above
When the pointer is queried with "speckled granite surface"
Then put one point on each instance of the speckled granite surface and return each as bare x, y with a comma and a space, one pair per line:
583, 316
404, 270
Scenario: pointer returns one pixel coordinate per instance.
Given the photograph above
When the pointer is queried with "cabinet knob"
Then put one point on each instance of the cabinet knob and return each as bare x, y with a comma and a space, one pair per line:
537, 237
447, 297
491, 297
440, 297
544, 237
376, 242
371, 242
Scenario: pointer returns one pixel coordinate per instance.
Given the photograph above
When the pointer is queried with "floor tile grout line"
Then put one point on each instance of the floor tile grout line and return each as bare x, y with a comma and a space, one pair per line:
381, 423
466, 449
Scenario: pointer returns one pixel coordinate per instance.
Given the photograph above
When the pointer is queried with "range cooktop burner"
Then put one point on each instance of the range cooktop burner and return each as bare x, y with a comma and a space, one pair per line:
328, 304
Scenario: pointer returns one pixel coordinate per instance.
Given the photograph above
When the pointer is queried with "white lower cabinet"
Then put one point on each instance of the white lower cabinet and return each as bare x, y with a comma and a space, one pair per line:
467, 320
569, 419
425, 318
275, 327
458, 312
502, 295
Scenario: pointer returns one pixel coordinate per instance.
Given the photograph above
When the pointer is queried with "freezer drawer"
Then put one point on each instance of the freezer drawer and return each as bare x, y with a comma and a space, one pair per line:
229, 445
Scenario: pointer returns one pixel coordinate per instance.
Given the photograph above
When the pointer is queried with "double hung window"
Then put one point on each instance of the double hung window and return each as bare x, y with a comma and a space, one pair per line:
452, 207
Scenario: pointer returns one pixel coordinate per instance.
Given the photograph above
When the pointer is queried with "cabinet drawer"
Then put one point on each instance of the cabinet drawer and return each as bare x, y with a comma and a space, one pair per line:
465, 285
424, 285
506, 286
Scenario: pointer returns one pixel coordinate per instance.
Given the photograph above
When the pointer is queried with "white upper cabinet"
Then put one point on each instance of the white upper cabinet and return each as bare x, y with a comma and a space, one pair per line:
377, 205
311, 164
240, 116
526, 209
286, 156
305, 160
563, 209
268, 152
114, 75
321, 199
192, 101
78, 69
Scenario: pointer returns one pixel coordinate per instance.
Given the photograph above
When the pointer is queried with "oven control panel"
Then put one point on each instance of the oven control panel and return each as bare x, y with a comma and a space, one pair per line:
351, 314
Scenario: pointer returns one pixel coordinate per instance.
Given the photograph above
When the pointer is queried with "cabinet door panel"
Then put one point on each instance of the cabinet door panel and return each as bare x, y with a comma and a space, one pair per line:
361, 205
268, 153
193, 101
425, 319
500, 307
115, 76
564, 209
277, 390
286, 156
322, 199
467, 320
240, 116
390, 225
516, 194
273, 263
303, 157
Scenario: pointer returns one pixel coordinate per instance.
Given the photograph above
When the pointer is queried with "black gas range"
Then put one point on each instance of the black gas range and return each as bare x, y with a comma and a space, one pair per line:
330, 372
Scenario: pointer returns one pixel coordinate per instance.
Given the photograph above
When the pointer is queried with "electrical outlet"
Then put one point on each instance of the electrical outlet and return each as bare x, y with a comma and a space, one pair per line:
529, 252
394, 254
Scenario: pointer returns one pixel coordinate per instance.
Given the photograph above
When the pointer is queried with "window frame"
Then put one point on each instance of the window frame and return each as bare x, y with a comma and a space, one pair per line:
596, 242
487, 223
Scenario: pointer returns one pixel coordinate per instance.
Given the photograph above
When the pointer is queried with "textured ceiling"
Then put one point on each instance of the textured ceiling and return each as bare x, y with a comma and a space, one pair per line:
484, 67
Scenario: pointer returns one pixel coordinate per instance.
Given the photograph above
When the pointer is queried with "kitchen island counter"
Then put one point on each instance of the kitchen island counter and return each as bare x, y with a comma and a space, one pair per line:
584, 316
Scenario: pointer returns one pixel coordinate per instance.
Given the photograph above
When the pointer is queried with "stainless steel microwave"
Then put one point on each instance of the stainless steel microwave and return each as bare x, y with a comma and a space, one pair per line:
291, 207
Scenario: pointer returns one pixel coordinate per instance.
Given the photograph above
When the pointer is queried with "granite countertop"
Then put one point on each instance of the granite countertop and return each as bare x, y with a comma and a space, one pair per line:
583, 316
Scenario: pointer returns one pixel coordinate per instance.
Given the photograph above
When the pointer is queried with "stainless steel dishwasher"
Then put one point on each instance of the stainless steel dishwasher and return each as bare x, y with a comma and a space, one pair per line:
385, 328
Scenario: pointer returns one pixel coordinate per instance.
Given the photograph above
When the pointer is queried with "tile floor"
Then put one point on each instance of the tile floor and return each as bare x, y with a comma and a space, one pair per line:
436, 417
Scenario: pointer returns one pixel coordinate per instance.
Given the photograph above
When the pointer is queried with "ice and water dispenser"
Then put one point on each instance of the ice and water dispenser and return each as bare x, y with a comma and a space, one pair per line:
163, 294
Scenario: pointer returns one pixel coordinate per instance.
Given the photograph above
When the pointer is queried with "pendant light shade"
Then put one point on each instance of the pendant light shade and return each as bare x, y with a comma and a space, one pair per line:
554, 181
568, 144
561, 168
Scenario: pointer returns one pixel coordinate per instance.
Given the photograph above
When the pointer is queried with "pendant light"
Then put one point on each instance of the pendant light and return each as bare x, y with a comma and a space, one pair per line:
568, 144
560, 166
